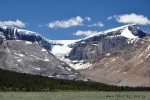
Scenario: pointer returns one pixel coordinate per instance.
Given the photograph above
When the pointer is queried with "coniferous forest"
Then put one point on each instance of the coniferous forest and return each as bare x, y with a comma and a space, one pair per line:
13, 81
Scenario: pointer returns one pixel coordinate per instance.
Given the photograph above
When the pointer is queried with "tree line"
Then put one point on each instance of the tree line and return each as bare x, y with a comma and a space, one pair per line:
13, 81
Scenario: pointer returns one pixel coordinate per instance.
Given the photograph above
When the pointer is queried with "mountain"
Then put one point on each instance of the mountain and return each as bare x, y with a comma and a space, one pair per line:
28, 52
118, 56
11, 33
94, 46
80, 54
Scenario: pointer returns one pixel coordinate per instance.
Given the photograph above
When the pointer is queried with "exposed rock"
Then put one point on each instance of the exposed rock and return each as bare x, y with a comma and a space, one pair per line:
31, 58
94, 47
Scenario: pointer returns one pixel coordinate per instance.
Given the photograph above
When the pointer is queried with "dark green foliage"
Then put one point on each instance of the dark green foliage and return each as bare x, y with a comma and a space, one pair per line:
13, 81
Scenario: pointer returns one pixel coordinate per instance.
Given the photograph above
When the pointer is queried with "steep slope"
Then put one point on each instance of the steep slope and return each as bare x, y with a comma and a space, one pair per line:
27, 57
81, 54
11, 33
126, 67
117, 56
29, 52
62, 49
92, 47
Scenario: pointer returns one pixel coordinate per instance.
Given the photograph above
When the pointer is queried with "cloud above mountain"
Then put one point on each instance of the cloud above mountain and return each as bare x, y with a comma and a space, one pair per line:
131, 19
85, 33
72, 22
17, 23
99, 24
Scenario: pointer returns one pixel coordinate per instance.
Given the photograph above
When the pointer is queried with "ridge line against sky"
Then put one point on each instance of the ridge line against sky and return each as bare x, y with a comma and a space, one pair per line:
70, 19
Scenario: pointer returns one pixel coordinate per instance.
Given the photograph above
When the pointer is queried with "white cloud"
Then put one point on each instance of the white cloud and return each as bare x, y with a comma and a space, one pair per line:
99, 24
16, 23
88, 19
85, 33
110, 17
76, 21
131, 19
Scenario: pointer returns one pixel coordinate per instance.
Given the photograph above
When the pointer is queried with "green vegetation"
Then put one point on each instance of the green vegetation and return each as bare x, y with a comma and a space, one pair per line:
74, 95
13, 81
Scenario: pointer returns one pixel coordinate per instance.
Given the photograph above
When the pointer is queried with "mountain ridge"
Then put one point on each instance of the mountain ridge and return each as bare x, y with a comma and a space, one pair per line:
92, 55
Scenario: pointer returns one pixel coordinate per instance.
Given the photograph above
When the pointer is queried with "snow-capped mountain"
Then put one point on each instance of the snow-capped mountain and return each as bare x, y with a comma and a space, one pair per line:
28, 52
118, 56
80, 54
105, 42
11, 33
131, 30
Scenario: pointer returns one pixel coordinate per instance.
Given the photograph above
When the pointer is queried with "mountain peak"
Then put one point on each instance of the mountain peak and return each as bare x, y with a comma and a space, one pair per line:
129, 31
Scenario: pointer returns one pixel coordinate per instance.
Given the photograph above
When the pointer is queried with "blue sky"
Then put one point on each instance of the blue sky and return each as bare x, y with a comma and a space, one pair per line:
73, 19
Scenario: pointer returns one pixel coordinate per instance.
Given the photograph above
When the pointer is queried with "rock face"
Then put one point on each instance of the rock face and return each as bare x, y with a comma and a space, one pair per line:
28, 52
92, 48
19, 34
27, 57
126, 67
116, 58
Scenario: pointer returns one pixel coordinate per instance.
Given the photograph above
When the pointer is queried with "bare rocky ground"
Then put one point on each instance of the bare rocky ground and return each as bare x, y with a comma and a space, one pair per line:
127, 67
27, 57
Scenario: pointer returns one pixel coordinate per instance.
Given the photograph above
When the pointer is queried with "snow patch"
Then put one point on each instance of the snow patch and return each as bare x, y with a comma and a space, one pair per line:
46, 59
35, 57
19, 54
139, 62
68, 68
127, 33
94, 44
93, 52
113, 59
80, 65
43, 49
61, 67
131, 40
148, 48
19, 60
140, 54
85, 80
106, 64
8, 50
103, 59
18, 40
28, 42
108, 54
147, 56
61, 50
50, 76
37, 68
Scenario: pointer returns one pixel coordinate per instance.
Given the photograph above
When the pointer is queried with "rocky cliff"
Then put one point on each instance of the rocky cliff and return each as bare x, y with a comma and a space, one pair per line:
94, 47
